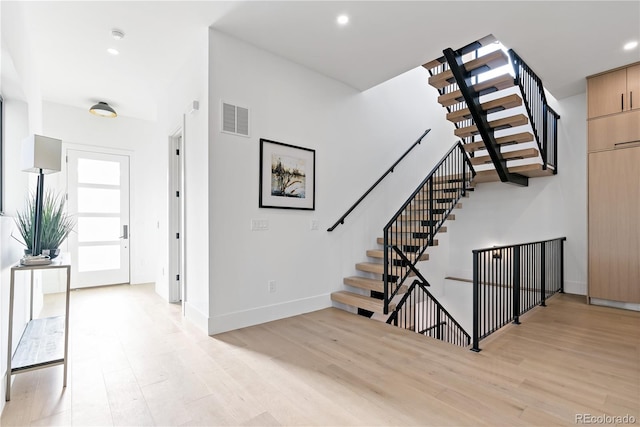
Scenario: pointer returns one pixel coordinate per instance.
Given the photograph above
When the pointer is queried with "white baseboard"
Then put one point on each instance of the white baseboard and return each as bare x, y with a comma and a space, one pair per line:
577, 288
256, 316
196, 317
615, 304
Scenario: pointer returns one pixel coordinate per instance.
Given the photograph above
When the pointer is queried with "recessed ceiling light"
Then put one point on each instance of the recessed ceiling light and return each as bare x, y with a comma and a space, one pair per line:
113, 51
631, 45
343, 19
117, 34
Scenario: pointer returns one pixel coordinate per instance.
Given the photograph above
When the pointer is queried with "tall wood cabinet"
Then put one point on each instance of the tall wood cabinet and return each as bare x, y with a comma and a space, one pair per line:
613, 124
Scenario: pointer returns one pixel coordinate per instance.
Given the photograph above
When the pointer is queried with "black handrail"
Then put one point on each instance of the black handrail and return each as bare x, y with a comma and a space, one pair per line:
390, 170
413, 227
544, 120
510, 280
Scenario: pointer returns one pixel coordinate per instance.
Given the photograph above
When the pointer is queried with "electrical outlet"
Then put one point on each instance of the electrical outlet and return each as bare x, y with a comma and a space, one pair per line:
315, 224
271, 285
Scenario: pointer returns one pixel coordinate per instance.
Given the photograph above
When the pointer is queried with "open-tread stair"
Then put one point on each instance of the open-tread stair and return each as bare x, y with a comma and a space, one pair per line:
476, 66
361, 301
493, 106
498, 124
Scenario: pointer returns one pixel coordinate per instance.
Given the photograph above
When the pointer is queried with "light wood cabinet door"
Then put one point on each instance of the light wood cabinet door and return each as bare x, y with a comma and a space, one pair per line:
613, 131
633, 87
607, 93
614, 230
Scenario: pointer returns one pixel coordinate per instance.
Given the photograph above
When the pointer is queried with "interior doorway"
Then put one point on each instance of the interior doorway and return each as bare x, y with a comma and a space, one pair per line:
98, 198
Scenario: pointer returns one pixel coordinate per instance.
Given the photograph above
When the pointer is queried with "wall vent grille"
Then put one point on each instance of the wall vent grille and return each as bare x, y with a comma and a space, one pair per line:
235, 120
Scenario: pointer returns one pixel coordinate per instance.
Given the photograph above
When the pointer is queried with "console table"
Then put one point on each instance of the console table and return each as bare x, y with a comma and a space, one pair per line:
44, 342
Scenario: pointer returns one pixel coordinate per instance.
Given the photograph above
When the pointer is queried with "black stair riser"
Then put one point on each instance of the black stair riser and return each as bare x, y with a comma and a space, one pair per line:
365, 313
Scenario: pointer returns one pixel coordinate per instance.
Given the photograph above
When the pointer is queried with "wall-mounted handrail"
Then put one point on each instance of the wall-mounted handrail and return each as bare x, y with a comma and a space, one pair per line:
510, 280
390, 170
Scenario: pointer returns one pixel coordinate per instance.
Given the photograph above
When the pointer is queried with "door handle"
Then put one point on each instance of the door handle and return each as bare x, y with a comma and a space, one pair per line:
125, 232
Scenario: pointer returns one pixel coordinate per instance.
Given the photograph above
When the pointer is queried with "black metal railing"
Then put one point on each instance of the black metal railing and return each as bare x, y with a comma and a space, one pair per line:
420, 312
414, 226
544, 120
510, 280
390, 170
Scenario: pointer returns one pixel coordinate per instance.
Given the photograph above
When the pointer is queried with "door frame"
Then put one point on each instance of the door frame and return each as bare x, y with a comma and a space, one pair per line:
177, 248
63, 183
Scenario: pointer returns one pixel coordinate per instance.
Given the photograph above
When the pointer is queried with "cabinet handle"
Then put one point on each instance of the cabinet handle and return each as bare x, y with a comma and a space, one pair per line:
628, 142
631, 100
622, 102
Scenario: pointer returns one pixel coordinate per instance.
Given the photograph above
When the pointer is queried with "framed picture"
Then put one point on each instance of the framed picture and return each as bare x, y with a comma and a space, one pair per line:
287, 176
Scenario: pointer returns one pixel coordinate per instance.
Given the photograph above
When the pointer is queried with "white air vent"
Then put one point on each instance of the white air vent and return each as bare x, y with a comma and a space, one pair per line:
235, 119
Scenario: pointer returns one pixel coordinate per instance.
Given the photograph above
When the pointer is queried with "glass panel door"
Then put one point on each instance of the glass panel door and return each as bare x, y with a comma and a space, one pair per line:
98, 189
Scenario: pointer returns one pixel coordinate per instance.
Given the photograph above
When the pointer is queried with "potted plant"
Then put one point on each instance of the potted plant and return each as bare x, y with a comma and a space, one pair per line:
56, 224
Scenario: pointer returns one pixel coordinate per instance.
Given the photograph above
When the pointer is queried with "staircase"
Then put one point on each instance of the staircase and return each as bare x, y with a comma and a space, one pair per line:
504, 121
507, 133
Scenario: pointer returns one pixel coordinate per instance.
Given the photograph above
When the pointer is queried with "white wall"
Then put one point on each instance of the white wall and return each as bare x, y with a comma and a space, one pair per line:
79, 129
357, 136
555, 206
16, 187
190, 84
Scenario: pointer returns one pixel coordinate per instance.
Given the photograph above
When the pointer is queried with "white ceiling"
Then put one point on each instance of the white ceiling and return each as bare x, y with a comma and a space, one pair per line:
562, 41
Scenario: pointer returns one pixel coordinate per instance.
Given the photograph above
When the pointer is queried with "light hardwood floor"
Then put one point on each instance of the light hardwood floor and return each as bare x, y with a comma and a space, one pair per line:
134, 361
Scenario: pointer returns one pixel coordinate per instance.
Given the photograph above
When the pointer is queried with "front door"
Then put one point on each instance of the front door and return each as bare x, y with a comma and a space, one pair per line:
98, 198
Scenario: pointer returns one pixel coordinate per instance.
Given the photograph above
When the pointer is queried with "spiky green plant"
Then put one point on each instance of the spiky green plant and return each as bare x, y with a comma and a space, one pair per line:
56, 224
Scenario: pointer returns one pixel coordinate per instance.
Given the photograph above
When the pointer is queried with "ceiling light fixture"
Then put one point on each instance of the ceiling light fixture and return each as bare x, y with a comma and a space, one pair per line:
343, 19
113, 51
102, 109
631, 45
117, 34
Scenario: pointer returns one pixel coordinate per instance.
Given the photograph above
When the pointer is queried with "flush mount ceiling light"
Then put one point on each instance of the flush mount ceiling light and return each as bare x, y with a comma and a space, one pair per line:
103, 109
113, 51
117, 34
631, 45
343, 19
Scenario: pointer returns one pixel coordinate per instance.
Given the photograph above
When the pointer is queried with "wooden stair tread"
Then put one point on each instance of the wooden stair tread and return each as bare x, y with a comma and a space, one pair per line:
379, 253
360, 301
503, 123
509, 155
375, 268
422, 209
484, 41
370, 284
533, 170
501, 82
516, 138
492, 60
499, 104
410, 242
423, 232
434, 63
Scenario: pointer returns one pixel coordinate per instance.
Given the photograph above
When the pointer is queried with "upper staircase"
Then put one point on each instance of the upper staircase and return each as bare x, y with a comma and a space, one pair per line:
507, 133
499, 109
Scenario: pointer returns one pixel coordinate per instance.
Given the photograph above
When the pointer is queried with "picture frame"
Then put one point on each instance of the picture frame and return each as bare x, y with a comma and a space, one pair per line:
287, 176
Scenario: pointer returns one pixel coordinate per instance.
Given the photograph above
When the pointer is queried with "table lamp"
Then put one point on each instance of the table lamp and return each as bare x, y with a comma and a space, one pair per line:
41, 155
